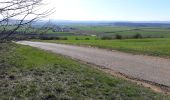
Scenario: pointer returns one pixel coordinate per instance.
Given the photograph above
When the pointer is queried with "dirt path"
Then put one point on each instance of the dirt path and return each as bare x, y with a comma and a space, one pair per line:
147, 68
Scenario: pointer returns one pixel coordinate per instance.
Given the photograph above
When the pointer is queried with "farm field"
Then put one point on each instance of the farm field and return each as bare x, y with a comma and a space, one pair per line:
100, 31
152, 46
125, 31
29, 73
32, 30
81, 37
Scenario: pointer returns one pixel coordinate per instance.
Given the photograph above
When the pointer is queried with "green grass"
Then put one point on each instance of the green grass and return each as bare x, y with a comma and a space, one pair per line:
102, 28
51, 32
81, 37
29, 30
126, 31
155, 47
29, 73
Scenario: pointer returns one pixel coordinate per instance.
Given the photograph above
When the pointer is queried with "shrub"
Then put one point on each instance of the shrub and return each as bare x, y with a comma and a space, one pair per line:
137, 36
87, 38
77, 38
117, 36
149, 36
106, 38
64, 38
54, 38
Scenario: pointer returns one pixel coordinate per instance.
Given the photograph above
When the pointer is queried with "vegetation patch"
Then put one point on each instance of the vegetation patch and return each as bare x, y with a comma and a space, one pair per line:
125, 31
154, 47
29, 73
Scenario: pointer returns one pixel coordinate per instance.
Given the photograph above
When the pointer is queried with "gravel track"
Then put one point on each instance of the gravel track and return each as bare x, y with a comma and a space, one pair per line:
148, 68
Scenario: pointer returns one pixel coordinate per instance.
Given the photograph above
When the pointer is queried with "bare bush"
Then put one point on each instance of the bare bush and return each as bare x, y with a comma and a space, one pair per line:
17, 13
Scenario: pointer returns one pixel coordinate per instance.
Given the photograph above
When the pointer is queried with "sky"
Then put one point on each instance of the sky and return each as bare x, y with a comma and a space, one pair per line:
110, 10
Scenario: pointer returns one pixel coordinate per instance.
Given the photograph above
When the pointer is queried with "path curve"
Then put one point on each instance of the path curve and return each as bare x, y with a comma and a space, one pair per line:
148, 68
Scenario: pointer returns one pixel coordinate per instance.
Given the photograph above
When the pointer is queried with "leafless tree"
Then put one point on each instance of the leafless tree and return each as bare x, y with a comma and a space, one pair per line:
17, 13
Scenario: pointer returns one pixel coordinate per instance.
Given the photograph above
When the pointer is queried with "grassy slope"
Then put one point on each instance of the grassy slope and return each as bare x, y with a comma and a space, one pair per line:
156, 47
34, 74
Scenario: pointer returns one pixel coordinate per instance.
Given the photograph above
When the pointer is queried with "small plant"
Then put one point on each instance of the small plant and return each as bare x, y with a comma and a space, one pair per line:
149, 36
64, 38
137, 36
77, 38
87, 38
106, 38
54, 38
117, 36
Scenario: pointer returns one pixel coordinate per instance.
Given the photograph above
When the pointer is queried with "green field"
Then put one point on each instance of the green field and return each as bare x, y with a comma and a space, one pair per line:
29, 73
102, 28
155, 47
66, 33
81, 37
151, 44
100, 31
126, 31
31, 30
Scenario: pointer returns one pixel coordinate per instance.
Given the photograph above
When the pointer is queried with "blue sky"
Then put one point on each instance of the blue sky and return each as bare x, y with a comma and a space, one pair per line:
115, 10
